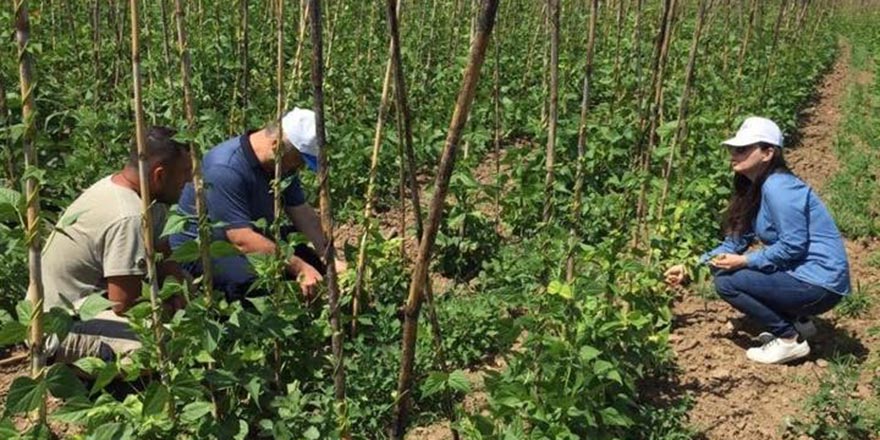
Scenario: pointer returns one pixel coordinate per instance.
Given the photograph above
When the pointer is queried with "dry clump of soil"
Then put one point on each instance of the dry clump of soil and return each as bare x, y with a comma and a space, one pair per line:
734, 398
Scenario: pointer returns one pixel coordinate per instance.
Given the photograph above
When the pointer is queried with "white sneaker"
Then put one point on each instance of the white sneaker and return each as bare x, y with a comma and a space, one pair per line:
778, 351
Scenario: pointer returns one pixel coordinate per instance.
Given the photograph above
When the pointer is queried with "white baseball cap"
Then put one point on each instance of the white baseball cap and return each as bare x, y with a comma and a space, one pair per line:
756, 129
298, 126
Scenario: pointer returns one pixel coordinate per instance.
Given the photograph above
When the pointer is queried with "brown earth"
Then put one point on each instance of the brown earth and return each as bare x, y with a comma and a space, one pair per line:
734, 398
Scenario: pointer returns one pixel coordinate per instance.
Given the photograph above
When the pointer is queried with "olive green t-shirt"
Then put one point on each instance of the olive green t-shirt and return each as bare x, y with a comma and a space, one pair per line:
103, 238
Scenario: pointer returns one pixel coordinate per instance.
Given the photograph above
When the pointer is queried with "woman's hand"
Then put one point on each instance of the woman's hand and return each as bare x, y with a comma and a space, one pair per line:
677, 275
729, 261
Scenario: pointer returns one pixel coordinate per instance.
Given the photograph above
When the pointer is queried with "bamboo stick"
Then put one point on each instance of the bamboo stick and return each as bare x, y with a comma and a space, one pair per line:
146, 198
553, 108
329, 252
204, 227
447, 162
582, 139
166, 49
681, 131
404, 121
32, 195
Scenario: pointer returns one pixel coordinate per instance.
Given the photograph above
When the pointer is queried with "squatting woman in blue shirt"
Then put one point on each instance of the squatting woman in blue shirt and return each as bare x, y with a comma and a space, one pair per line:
799, 267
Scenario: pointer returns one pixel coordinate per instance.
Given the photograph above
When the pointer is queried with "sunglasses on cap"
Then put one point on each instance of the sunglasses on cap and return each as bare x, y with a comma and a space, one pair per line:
737, 151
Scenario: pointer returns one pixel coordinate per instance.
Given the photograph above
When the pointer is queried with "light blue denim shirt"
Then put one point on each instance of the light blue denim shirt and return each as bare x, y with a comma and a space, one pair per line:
798, 234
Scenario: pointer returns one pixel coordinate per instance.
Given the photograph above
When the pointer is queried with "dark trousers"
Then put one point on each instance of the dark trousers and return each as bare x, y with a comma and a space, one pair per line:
775, 299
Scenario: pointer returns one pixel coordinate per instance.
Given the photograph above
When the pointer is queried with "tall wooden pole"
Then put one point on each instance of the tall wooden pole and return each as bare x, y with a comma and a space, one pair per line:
360, 268
554, 12
681, 131
485, 24
146, 196
329, 252
204, 227
32, 194
582, 139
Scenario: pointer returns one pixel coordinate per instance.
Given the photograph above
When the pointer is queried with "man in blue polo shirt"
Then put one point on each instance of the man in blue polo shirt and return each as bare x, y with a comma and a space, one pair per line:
238, 177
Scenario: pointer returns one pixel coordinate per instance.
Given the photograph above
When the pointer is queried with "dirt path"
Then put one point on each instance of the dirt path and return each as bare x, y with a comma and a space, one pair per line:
734, 398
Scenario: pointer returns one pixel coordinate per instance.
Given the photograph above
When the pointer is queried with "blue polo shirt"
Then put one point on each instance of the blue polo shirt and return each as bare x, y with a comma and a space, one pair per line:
799, 236
238, 192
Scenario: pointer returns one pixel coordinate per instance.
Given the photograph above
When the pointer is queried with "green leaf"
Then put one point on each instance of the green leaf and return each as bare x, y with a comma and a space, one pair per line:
75, 410
175, 223
24, 310
8, 429
589, 353
11, 204
105, 376
40, 431
12, 333
221, 249
63, 384
90, 365
155, 400
253, 388
312, 433
25, 395
111, 431
187, 252
57, 322
434, 383
610, 416
93, 305
194, 411
459, 382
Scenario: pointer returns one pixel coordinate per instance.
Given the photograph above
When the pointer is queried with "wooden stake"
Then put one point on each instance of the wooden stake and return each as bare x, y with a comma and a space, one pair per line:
146, 197
681, 131
32, 195
329, 252
554, 12
582, 140
486, 21
204, 226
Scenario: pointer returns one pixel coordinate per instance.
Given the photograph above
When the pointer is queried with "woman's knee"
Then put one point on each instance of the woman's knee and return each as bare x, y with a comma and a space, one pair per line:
725, 285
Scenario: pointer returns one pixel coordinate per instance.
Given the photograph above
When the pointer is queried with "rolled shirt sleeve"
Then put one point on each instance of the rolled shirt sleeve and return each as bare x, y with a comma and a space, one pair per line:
293, 194
786, 202
123, 253
730, 245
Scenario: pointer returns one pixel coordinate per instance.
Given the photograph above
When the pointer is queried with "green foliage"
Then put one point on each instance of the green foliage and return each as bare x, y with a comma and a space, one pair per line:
857, 303
264, 368
854, 194
833, 413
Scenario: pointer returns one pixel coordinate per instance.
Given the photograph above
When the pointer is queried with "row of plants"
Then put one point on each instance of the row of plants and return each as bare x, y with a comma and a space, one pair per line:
266, 369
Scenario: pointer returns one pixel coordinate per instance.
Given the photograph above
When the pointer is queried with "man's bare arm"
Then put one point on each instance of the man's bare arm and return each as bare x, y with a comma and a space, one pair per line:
124, 291
248, 241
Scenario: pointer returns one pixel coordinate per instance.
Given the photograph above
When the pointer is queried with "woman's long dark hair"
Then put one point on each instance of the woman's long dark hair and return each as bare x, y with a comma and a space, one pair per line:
746, 198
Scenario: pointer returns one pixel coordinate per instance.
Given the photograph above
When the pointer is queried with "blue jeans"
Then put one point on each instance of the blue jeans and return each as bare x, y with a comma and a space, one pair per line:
775, 299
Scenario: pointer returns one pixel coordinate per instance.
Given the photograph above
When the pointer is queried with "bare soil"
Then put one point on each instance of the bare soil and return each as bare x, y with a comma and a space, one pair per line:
734, 398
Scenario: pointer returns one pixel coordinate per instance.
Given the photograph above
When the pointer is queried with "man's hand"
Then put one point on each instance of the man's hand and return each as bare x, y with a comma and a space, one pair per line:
307, 277
729, 261
677, 275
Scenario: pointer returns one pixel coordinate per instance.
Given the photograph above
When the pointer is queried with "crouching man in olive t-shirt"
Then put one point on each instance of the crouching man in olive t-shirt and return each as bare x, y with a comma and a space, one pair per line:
102, 250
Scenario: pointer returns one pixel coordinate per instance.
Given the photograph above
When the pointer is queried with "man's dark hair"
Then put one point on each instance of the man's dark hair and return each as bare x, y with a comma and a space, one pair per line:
161, 148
